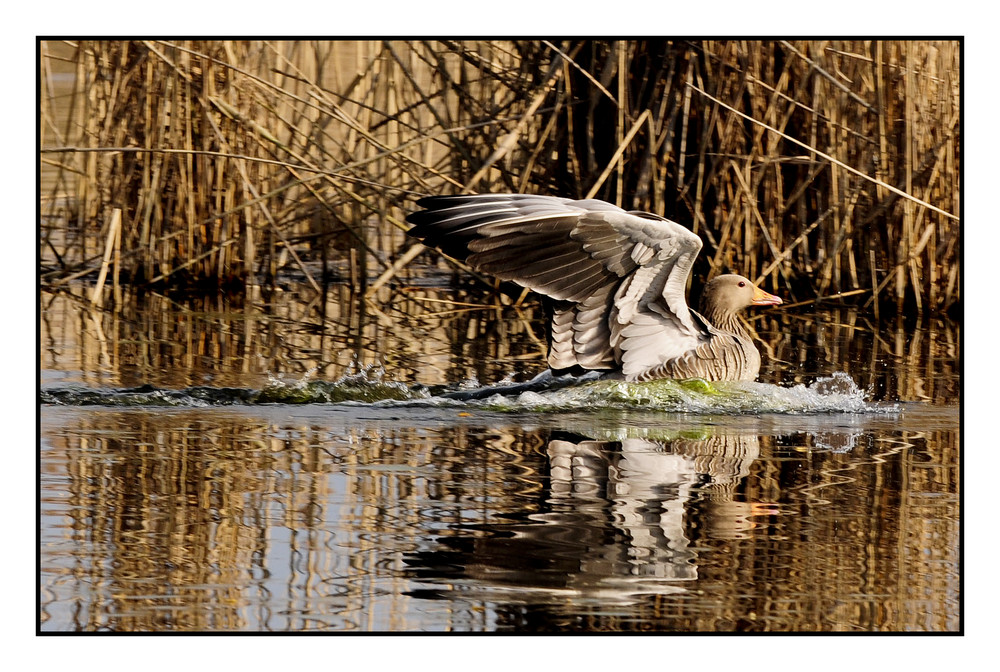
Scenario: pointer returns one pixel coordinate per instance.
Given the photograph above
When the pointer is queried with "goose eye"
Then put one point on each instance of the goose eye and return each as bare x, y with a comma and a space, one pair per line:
742, 284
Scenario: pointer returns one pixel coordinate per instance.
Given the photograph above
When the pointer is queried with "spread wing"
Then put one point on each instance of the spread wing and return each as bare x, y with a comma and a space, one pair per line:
618, 278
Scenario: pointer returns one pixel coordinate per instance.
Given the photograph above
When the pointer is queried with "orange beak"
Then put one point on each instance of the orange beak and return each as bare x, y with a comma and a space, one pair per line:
762, 298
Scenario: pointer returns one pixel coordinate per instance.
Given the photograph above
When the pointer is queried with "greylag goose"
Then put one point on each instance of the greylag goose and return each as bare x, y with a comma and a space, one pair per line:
616, 278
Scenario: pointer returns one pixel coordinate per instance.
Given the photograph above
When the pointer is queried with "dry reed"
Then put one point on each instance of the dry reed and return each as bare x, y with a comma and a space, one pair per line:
831, 168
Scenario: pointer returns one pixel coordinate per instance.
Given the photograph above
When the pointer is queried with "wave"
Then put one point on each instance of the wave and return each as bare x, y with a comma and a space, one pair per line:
837, 393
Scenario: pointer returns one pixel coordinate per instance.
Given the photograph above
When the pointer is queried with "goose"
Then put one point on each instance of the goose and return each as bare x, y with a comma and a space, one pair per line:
616, 280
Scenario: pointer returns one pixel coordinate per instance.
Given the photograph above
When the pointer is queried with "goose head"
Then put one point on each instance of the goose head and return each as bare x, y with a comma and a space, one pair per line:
726, 295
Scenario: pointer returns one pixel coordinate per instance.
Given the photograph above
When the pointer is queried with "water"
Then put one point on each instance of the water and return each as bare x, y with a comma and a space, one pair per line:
259, 467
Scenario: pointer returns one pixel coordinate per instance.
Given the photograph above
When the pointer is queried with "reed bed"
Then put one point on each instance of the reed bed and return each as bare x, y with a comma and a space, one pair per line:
825, 168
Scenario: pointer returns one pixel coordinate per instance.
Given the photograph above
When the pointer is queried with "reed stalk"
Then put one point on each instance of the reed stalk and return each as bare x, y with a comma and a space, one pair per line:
111, 252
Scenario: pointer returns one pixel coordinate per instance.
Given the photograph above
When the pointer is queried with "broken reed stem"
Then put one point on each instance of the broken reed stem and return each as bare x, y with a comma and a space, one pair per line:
114, 234
401, 262
450, 302
828, 297
874, 278
116, 286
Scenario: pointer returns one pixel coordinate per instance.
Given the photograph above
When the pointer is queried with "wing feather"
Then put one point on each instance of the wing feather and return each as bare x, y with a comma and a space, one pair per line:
622, 275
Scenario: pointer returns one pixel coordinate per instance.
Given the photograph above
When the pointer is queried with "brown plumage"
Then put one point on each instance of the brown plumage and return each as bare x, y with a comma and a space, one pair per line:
617, 280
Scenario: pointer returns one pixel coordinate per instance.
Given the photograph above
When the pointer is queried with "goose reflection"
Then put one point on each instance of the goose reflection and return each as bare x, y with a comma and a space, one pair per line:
615, 521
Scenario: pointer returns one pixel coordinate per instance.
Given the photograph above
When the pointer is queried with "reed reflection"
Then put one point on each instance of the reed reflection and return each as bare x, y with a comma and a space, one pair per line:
432, 337
196, 520
278, 519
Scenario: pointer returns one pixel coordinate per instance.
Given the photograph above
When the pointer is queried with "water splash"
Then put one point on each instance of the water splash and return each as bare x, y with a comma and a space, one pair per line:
837, 393
368, 385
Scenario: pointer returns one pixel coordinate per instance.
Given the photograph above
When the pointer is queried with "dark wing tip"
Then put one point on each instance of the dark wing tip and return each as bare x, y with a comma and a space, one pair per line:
420, 218
433, 205
444, 224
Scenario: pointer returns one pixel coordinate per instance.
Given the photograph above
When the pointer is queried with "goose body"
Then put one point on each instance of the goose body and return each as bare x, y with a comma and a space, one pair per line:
616, 279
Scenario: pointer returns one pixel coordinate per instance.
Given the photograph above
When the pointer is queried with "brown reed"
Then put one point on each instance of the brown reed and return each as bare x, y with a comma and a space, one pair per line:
825, 168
